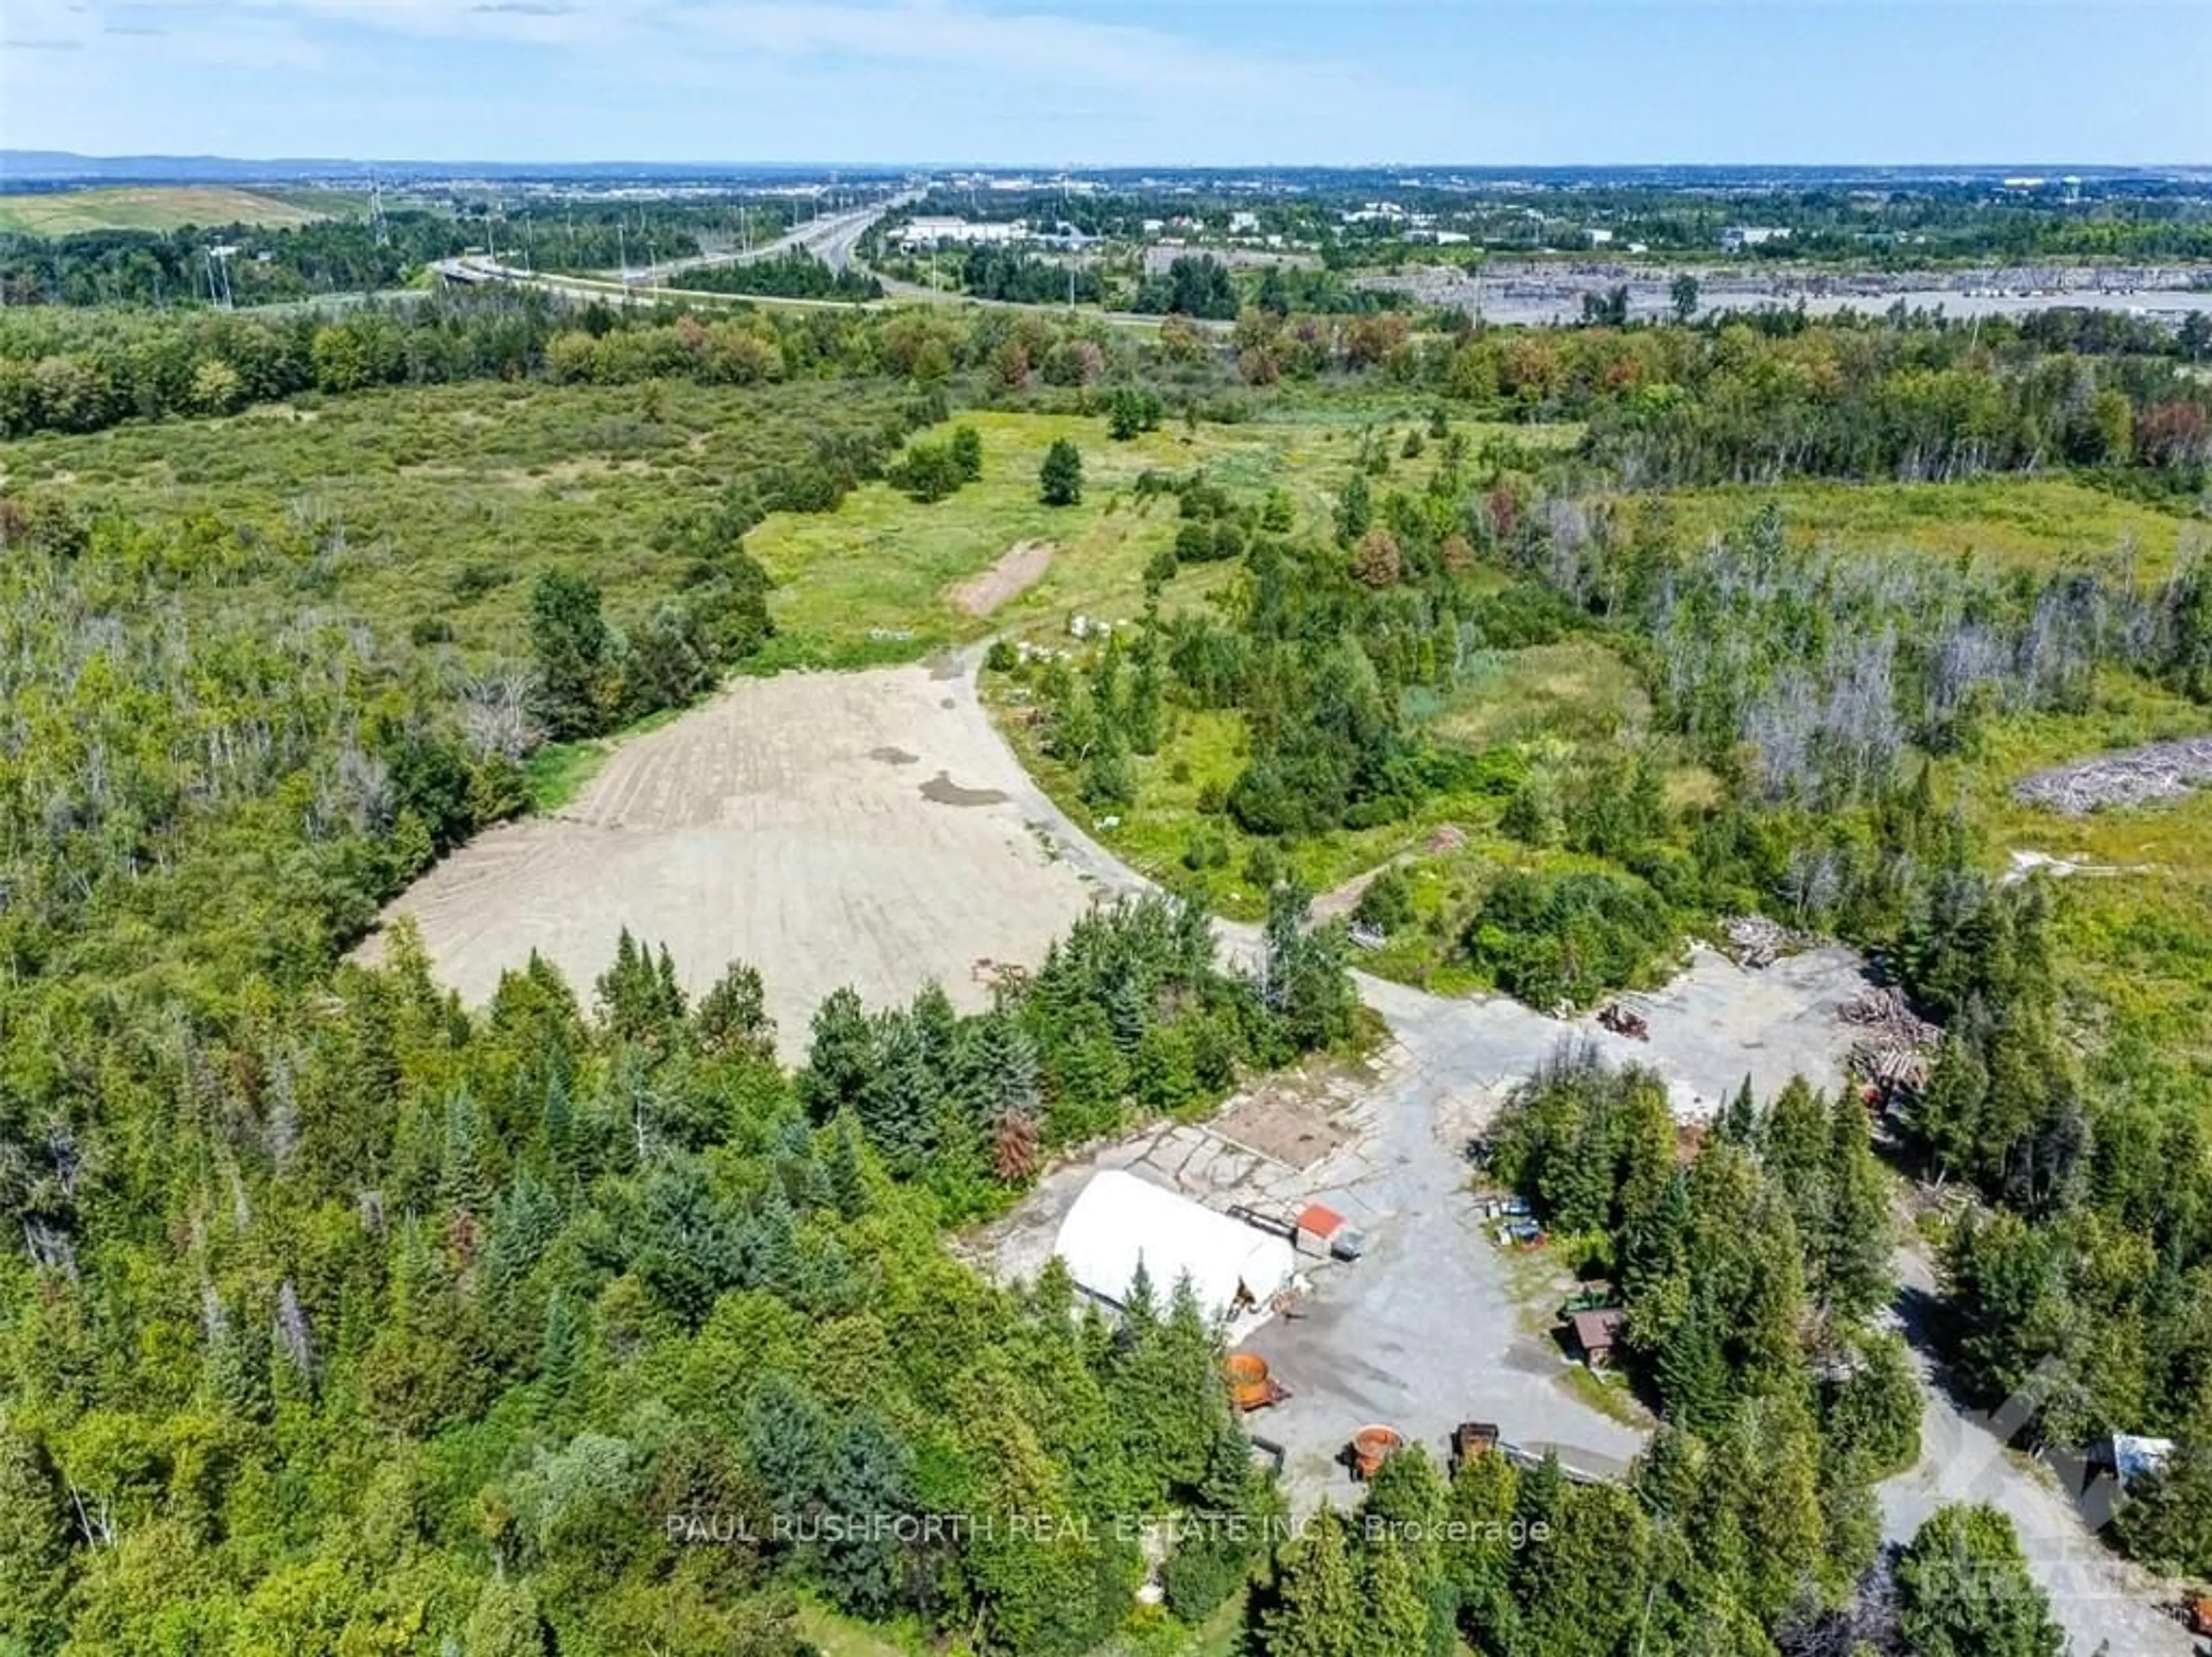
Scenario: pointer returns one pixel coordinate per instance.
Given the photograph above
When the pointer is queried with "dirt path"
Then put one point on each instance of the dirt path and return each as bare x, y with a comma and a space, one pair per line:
1019, 568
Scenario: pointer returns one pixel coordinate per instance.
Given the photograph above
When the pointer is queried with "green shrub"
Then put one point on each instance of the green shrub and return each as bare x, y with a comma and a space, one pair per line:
1570, 938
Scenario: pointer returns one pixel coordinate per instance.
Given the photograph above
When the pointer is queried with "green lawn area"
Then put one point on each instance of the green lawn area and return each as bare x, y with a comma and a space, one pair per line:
2005, 521
166, 207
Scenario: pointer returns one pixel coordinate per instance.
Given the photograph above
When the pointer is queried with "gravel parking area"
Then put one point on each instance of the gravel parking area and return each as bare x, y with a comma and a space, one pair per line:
1430, 1327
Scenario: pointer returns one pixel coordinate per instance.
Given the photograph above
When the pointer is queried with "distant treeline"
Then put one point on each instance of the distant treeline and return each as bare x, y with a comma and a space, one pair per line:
794, 275
246, 265
1751, 399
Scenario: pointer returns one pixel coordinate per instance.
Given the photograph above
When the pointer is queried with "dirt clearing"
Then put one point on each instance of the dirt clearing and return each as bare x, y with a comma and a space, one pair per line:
1019, 568
831, 828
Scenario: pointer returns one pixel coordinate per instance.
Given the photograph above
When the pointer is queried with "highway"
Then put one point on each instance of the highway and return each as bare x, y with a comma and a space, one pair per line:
829, 239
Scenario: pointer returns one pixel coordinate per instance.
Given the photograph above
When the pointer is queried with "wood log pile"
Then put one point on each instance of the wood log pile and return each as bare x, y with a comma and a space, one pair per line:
1755, 941
2128, 777
1895, 1044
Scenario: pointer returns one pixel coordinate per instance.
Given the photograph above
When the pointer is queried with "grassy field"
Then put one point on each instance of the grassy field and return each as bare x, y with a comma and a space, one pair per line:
166, 207
2038, 522
2132, 945
874, 579
432, 506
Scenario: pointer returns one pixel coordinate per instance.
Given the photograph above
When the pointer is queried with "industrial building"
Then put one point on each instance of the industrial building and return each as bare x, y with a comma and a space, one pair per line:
1120, 1222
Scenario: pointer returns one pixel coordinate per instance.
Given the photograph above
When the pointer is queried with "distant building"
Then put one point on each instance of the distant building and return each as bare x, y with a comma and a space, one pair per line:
927, 232
1243, 224
1601, 238
1738, 237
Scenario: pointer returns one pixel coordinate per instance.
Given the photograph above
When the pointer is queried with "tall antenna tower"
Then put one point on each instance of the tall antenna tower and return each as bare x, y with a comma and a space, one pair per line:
377, 227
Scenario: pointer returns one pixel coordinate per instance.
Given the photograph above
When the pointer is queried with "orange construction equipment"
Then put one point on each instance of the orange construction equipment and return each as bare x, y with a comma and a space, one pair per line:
2200, 1614
1250, 1386
1371, 1446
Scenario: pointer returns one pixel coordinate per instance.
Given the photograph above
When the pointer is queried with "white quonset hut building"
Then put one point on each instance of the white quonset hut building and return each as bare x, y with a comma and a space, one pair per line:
1120, 1222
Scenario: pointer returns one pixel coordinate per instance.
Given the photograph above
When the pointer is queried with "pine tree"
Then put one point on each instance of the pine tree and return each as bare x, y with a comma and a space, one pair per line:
1142, 719
1397, 1618
1693, 1368
34, 1542
1739, 1122
848, 1185
558, 1121
1964, 1590
1060, 480
840, 1060
869, 1471
464, 1184
938, 1027
1319, 1610
1854, 1278
898, 1104
772, 1258
1795, 1143
560, 1362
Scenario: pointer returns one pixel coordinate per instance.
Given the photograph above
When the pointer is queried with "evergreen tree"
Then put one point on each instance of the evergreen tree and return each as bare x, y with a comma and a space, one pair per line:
638, 997
1853, 1275
840, 1060
1355, 510
1694, 1368
1318, 1608
869, 1473
34, 1542
1060, 480
1397, 1620
1964, 1590
848, 1183
464, 1184
560, 1362
771, 1246
1739, 1122
571, 646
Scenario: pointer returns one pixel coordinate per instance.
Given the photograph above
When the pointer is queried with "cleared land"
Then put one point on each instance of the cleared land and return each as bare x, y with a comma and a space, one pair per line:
864, 829
165, 207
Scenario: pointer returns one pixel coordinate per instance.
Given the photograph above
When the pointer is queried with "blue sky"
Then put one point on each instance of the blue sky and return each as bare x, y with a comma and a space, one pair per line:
1092, 82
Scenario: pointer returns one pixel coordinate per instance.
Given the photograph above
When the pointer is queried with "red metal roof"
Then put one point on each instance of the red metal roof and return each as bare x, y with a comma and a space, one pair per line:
1320, 1221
